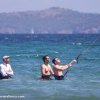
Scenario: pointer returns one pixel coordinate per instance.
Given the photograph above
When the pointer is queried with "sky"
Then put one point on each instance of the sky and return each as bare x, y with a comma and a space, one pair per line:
88, 6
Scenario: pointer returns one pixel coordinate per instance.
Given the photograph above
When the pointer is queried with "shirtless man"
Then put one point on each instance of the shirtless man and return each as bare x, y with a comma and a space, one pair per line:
46, 70
58, 74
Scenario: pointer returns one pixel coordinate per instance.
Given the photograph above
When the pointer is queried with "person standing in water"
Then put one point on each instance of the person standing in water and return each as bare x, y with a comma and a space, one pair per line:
58, 69
46, 70
5, 68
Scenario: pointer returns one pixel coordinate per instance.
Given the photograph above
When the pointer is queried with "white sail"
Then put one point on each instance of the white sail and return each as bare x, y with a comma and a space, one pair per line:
32, 31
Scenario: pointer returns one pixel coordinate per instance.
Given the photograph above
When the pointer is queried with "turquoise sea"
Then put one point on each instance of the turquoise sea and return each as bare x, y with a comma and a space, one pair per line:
26, 51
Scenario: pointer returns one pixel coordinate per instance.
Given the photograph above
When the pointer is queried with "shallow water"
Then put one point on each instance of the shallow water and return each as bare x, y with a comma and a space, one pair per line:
26, 51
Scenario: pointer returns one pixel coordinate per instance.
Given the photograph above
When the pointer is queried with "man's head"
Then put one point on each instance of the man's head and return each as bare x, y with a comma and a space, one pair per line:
6, 59
56, 60
46, 59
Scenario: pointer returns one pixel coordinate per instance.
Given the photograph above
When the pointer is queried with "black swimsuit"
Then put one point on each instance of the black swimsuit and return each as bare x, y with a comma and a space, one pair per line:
59, 77
46, 77
4, 77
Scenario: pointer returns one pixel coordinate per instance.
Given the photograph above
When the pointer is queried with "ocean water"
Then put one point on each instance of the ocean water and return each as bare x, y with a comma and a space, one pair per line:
26, 51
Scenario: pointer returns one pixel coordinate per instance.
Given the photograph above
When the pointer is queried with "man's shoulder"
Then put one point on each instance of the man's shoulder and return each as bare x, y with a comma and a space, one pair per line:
56, 66
9, 64
42, 65
1, 65
49, 65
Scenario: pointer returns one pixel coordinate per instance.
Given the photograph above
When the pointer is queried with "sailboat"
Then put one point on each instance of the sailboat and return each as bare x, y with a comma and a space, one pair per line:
32, 31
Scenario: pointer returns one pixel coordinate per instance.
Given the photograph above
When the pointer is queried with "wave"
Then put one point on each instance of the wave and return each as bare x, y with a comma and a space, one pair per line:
6, 38
56, 52
18, 55
91, 58
78, 43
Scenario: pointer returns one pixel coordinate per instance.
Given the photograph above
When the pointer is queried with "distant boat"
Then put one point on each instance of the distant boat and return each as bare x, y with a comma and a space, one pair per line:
32, 31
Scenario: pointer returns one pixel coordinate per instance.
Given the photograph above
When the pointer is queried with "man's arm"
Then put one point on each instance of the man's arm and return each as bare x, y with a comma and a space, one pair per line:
63, 67
72, 62
3, 72
43, 70
51, 71
10, 72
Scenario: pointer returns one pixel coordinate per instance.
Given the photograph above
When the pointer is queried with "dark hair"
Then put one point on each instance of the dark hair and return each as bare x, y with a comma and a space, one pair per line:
54, 60
44, 57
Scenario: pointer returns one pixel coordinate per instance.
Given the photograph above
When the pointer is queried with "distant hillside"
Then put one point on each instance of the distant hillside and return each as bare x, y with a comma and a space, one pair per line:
52, 20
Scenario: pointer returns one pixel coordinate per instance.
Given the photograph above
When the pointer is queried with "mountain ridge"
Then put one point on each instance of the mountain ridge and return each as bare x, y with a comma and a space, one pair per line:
51, 20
